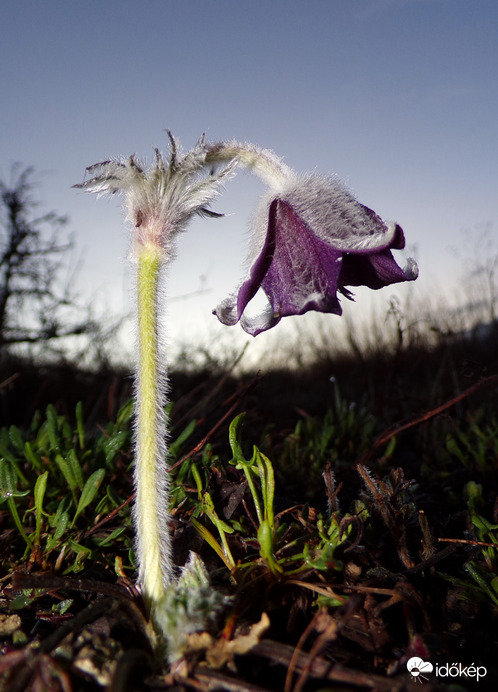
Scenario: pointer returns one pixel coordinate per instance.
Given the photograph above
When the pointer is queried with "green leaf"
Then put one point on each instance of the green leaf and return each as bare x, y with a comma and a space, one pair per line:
62, 509
8, 492
42, 441
114, 496
267, 484
182, 437
39, 494
480, 579
235, 435
76, 469
62, 525
8, 481
82, 554
67, 472
32, 457
89, 492
59, 521
53, 427
16, 438
125, 414
61, 607
211, 540
265, 540
101, 542
80, 428
23, 600
330, 601
114, 444
14, 464
390, 448
484, 526
67, 433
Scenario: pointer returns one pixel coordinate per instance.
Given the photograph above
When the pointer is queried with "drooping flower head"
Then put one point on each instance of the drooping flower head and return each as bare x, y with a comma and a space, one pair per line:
312, 239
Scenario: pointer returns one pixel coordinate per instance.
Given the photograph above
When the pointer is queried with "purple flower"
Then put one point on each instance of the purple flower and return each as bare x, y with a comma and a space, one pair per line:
314, 240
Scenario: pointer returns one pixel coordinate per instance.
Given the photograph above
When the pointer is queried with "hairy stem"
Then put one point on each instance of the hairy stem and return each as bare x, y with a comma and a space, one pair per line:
264, 163
151, 512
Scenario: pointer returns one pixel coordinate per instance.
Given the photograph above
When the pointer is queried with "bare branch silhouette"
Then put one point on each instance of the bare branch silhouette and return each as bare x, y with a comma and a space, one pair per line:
36, 304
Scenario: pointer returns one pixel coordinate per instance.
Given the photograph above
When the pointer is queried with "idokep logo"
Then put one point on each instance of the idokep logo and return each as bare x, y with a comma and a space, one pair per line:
419, 670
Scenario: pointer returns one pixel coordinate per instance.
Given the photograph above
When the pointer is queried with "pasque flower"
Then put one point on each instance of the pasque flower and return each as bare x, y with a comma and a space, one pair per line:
312, 240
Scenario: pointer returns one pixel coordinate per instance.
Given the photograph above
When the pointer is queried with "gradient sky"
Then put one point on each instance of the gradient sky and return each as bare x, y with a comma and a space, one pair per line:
397, 97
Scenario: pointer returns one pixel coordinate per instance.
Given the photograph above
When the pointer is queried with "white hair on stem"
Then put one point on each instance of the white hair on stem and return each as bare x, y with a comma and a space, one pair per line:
151, 478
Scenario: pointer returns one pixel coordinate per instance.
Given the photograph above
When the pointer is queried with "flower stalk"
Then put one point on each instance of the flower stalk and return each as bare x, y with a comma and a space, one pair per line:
151, 509
159, 201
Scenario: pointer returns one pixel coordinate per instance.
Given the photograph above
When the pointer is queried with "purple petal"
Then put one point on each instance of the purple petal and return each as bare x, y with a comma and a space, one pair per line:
304, 271
297, 270
376, 269
395, 238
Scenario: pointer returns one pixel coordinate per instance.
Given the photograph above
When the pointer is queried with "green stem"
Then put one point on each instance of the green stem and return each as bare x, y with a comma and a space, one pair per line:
252, 488
151, 512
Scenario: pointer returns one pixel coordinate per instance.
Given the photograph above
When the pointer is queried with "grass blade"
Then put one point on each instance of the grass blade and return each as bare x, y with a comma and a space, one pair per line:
89, 492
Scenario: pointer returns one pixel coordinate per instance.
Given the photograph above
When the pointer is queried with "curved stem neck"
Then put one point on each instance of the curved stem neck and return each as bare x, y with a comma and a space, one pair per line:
263, 162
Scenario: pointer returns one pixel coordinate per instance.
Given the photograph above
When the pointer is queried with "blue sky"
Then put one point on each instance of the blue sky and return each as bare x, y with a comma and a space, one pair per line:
397, 97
